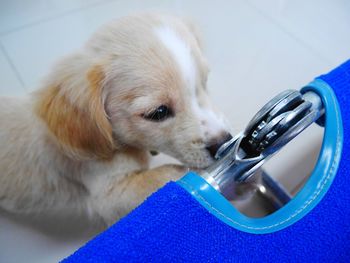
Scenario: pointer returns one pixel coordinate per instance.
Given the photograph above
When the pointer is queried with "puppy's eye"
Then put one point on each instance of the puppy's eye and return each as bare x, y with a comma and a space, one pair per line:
159, 114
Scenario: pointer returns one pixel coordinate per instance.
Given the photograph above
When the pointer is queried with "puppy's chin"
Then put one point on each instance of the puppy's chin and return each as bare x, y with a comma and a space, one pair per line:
193, 159
197, 162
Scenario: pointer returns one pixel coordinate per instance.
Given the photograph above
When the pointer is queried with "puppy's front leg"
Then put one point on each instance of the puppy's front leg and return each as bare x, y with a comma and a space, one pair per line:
115, 197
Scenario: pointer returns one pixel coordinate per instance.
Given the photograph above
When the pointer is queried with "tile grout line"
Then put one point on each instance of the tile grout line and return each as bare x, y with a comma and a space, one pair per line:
288, 32
12, 66
54, 17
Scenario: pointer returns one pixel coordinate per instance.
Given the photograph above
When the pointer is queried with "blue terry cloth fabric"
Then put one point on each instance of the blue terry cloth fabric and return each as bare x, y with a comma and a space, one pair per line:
171, 226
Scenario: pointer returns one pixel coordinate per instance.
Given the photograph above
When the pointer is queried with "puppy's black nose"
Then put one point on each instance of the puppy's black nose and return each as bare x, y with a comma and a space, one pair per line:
216, 143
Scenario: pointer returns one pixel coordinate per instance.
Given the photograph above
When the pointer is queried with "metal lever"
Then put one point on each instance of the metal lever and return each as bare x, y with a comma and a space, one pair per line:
276, 124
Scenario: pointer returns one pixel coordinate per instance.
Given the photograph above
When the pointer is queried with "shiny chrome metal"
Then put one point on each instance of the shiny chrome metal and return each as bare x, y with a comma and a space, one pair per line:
314, 113
272, 191
263, 129
232, 168
284, 122
261, 114
285, 105
236, 172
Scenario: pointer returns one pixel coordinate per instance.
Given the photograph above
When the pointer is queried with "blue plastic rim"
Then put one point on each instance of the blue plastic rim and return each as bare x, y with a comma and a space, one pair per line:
308, 197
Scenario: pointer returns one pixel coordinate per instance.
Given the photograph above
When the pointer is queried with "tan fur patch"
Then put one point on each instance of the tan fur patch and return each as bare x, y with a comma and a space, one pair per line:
83, 129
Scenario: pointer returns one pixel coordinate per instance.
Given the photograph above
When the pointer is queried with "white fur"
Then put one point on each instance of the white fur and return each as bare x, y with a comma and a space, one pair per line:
213, 124
181, 53
184, 59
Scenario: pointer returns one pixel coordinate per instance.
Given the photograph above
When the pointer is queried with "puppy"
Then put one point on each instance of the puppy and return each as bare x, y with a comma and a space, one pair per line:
83, 140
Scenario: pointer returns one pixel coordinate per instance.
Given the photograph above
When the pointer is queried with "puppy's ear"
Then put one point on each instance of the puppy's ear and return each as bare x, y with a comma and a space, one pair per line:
72, 106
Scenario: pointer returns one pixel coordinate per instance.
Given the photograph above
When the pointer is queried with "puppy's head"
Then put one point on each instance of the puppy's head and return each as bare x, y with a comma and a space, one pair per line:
142, 84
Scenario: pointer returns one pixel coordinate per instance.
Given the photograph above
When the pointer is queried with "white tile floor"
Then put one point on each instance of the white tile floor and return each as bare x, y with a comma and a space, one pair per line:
255, 48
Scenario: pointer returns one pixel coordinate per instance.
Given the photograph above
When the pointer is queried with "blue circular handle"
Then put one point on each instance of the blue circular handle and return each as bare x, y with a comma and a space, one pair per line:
308, 197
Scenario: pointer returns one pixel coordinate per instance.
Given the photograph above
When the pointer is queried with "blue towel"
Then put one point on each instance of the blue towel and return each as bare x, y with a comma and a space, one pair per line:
171, 226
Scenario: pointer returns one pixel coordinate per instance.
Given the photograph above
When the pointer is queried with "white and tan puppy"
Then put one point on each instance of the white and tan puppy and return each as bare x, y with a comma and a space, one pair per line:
83, 139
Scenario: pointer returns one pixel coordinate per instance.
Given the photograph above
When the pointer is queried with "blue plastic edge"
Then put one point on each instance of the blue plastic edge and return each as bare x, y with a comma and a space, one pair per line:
308, 197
